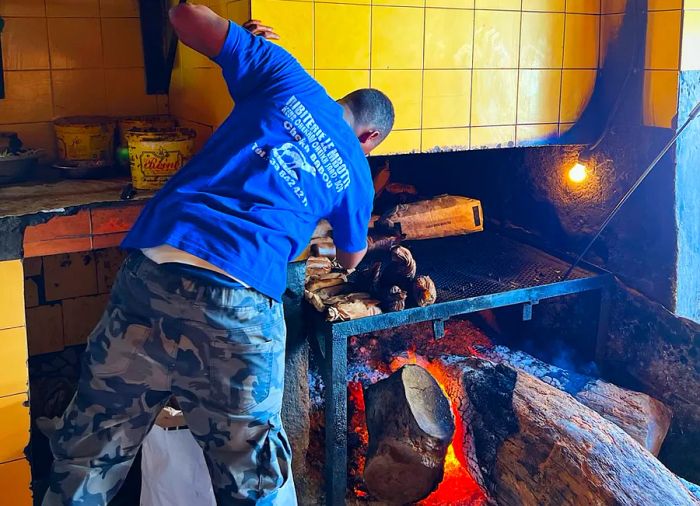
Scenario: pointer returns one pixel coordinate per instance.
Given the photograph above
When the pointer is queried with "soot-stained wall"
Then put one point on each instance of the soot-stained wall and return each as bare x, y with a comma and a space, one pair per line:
527, 189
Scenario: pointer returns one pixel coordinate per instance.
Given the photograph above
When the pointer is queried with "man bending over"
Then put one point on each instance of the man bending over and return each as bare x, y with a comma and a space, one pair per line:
195, 311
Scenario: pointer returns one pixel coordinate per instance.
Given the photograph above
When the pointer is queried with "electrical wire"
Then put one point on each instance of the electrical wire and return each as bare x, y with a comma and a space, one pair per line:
631, 70
693, 114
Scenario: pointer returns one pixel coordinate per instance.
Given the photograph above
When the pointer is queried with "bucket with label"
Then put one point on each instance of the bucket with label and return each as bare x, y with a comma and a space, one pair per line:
85, 138
155, 156
148, 123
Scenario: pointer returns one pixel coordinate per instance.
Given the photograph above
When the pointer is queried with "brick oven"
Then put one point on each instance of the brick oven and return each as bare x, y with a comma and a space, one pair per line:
522, 381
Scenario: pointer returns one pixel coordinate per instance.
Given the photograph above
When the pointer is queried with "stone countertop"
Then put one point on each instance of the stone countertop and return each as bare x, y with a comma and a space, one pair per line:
50, 217
61, 196
63, 216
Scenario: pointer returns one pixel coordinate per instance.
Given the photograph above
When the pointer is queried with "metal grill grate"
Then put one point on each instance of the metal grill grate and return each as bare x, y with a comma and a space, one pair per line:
486, 263
471, 273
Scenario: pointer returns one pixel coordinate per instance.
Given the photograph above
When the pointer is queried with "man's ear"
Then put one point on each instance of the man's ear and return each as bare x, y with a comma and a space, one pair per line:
369, 135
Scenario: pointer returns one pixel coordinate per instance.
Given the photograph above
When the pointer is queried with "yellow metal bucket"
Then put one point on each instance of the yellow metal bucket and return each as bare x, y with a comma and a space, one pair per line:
85, 138
155, 156
154, 123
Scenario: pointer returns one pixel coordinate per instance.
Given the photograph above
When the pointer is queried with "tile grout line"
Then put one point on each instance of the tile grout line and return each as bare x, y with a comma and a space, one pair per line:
471, 81
104, 72
561, 80
517, 82
48, 48
371, 31
337, 69
422, 77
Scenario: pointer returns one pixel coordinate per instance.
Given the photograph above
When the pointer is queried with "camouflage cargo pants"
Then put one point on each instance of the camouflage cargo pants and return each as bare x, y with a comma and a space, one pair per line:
218, 350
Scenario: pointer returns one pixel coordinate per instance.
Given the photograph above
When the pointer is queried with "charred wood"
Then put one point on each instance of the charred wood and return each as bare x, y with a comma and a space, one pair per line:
410, 427
639, 415
531, 444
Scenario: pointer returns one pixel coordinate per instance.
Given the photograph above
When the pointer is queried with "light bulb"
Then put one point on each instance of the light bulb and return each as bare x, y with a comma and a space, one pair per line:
578, 173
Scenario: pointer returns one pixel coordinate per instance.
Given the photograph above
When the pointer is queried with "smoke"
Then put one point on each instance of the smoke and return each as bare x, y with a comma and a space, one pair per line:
561, 354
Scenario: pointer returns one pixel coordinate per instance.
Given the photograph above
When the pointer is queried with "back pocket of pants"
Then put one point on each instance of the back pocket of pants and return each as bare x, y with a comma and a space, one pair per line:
240, 374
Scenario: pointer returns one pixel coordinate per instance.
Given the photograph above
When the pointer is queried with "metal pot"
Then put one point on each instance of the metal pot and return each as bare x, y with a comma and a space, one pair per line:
85, 169
15, 168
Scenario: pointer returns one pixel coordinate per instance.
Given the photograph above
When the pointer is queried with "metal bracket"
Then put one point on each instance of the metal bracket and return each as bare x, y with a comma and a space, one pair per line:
439, 329
527, 310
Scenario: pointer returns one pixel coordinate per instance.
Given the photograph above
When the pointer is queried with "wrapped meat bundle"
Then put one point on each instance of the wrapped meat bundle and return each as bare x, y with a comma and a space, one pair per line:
353, 309
326, 280
394, 299
318, 266
423, 291
402, 267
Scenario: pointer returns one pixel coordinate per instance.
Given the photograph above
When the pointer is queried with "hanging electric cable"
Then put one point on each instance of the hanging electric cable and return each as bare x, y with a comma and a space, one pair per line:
586, 154
693, 114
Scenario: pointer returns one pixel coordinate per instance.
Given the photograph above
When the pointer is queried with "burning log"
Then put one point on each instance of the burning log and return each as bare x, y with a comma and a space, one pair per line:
639, 415
423, 291
442, 216
528, 443
410, 427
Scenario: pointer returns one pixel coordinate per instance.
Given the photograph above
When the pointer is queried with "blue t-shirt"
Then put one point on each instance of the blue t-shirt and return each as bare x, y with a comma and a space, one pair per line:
285, 158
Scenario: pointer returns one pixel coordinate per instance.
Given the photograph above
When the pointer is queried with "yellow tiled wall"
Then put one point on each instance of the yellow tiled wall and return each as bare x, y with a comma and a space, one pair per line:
198, 94
662, 61
71, 57
14, 410
462, 73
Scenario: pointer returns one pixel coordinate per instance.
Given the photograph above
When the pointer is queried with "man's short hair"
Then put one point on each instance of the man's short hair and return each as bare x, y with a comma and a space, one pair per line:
371, 108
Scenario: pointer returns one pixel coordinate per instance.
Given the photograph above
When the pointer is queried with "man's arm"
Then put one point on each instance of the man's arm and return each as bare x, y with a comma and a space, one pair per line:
202, 29
349, 260
350, 222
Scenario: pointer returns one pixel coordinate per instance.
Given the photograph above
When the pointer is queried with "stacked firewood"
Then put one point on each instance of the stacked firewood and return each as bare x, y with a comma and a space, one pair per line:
389, 283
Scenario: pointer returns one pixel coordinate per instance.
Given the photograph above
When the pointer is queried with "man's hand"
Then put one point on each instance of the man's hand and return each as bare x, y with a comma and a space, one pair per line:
257, 28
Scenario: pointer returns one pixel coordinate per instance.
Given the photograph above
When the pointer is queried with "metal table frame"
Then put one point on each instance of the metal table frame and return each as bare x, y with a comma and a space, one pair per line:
332, 342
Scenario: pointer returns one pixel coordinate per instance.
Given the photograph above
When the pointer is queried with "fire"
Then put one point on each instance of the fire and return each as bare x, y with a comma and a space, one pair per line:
457, 487
357, 397
358, 426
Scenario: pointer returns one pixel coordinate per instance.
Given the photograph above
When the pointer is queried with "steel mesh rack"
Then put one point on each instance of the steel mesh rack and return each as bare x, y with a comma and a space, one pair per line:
472, 273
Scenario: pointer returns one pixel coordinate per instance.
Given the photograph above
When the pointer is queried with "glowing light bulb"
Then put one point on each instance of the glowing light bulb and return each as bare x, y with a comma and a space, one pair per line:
578, 173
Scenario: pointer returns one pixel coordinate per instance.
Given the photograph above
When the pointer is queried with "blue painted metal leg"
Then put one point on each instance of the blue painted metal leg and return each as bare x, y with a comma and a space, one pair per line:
336, 398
